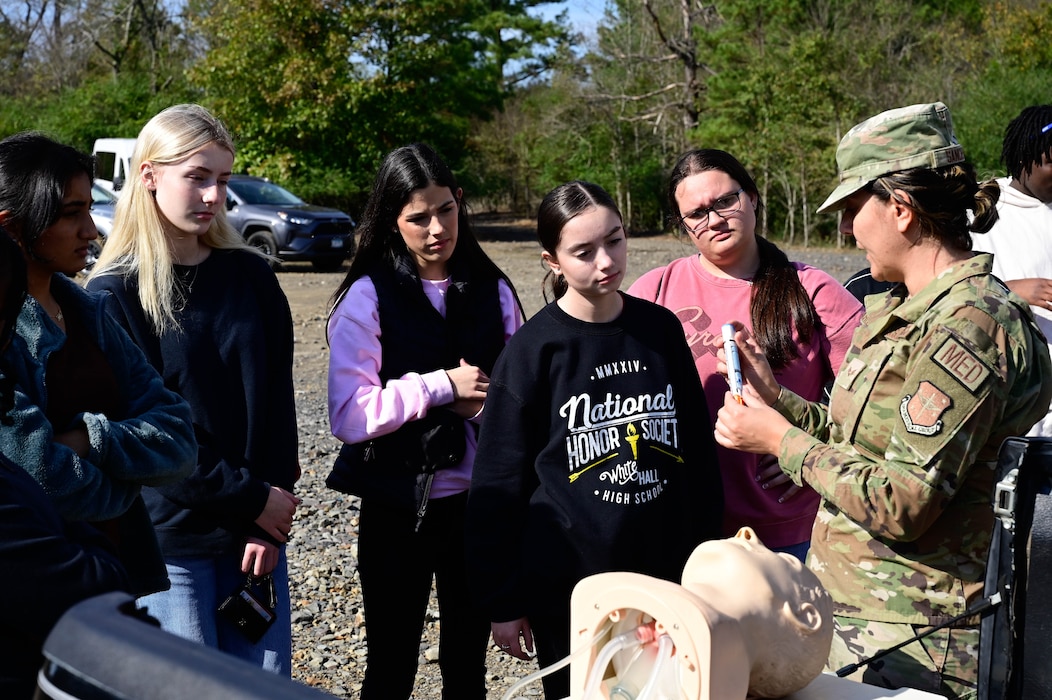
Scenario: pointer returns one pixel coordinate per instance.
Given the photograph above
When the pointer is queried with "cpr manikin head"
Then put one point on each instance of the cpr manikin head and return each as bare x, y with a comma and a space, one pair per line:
783, 611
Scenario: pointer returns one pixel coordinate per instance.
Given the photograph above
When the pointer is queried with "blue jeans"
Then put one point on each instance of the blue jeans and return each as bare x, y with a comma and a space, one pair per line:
199, 585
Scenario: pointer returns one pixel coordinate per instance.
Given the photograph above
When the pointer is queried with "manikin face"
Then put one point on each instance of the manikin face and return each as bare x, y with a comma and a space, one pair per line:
728, 240
1038, 184
592, 254
428, 224
189, 194
749, 575
781, 608
63, 246
758, 622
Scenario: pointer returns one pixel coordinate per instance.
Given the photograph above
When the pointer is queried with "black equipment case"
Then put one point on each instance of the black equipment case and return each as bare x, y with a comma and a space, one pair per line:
103, 649
1016, 638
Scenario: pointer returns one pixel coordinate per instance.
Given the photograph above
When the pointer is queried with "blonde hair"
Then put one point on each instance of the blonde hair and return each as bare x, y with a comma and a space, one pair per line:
138, 246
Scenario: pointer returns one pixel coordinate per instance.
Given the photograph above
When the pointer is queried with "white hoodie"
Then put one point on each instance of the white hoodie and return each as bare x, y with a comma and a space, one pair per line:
1021, 242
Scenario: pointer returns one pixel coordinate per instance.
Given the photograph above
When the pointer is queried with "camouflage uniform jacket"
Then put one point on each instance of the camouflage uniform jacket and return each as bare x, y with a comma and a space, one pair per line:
903, 457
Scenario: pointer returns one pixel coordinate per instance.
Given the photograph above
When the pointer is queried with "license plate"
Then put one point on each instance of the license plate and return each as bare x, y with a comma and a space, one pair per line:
337, 242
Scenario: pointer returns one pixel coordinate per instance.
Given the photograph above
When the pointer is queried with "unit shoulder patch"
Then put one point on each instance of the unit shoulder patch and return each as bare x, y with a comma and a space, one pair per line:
922, 411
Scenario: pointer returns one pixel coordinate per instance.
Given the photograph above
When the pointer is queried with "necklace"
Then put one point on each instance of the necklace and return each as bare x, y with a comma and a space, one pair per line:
57, 315
187, 275
45, 301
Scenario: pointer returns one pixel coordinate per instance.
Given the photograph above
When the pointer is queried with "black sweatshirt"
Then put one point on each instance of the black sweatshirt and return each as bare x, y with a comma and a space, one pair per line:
595, 454
231, 360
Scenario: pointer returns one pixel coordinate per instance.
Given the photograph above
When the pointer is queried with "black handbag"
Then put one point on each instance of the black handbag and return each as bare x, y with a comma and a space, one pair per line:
252, 607
398, 468
434, 442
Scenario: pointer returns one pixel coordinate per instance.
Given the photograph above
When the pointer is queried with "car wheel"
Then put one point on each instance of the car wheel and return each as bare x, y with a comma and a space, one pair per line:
264, 241
327, 264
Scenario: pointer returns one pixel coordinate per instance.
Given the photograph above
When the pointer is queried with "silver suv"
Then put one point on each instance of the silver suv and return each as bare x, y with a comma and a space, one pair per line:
282, 225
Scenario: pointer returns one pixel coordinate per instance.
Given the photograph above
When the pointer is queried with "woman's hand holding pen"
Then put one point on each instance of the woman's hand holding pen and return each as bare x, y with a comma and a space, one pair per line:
753, 426
756, 372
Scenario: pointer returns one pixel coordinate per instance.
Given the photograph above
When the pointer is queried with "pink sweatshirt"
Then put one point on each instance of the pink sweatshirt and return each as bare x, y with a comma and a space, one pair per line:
360, 408
703, 303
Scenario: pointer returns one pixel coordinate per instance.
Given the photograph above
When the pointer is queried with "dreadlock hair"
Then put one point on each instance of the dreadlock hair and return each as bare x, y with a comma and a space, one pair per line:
1028, 139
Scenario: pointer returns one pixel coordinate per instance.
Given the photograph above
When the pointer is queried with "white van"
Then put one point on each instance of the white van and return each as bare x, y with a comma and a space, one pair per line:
112, 162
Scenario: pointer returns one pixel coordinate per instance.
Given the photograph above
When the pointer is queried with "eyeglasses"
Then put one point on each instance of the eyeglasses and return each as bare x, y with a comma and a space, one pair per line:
723, 207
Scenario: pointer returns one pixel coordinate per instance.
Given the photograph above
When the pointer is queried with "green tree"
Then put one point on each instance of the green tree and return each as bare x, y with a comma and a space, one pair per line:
83, 69
332, 85
1014, 72
142, 37
56, 45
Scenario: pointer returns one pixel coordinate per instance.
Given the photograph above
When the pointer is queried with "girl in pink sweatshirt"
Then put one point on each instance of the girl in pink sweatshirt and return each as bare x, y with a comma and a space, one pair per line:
802, 318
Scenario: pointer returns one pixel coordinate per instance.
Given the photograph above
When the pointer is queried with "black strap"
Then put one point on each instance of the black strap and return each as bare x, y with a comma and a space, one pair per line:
981, 607
266, 582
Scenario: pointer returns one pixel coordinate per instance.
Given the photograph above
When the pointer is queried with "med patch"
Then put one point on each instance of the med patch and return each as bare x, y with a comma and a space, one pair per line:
922, 411
961, 364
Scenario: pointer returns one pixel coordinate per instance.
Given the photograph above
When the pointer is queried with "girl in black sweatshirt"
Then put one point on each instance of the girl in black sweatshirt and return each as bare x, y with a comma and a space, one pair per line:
595, 453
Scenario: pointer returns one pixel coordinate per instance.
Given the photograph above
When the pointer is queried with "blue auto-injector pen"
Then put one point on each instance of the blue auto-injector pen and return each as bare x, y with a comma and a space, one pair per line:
734, 366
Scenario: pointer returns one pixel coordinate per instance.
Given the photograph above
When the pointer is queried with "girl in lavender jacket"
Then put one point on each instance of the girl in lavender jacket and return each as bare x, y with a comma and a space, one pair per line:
414, 331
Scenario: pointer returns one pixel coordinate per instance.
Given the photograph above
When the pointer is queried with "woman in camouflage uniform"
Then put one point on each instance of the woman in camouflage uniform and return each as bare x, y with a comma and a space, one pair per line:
942, 369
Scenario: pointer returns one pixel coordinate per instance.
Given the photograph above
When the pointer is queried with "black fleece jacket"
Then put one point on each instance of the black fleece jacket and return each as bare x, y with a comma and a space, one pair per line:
231, 359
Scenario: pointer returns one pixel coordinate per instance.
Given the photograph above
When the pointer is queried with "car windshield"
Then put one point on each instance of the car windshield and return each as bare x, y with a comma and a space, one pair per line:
101, 196
262, 192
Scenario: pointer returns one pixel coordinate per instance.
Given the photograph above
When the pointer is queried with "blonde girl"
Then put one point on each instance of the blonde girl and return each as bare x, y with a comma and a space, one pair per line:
209, 314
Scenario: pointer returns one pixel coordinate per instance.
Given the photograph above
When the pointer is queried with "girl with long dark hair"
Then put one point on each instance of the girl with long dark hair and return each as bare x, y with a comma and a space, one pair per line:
91, 420
590, 458
800, 316
415, 329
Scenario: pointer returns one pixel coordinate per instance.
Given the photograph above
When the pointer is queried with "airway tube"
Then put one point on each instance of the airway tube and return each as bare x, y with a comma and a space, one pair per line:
522, 683
627, 640
663, 655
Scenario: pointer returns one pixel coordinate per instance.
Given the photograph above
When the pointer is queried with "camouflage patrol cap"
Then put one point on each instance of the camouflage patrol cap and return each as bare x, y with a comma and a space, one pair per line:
918, 136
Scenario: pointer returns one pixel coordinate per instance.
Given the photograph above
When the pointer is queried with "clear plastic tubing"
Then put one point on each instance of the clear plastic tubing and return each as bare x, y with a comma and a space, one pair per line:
627, 640
664, 654
541, 673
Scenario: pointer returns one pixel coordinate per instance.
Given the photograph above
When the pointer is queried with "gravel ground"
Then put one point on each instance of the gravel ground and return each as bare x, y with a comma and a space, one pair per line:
327, 621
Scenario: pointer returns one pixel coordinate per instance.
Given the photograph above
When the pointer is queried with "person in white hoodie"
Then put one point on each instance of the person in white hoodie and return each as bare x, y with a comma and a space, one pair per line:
1021, 240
